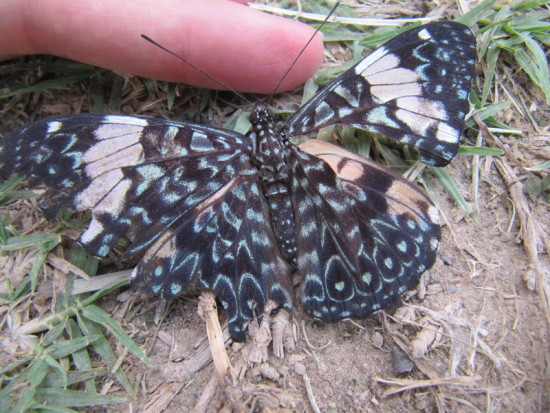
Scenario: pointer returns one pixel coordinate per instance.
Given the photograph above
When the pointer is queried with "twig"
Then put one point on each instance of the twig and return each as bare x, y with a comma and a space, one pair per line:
340, 19
162, 397
310, 395
208, 312
529, 234
405, 384
207, 394
312, 347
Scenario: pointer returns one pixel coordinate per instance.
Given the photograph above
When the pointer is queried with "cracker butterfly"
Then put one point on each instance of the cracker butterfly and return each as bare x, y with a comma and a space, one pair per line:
212, 209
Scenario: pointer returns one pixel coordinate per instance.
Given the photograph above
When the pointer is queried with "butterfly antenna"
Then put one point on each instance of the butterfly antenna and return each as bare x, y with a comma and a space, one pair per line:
198, 69
305, 47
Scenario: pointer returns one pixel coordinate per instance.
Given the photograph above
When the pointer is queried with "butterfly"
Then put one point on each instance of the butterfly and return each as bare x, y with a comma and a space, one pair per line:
251, 216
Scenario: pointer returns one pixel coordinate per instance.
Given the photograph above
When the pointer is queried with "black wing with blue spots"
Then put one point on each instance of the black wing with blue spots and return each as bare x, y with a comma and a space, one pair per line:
364, 234
225, 245
137, 175
186, 196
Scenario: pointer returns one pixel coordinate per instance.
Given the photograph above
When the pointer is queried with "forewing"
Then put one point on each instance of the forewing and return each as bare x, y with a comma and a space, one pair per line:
364, 234
138, 176
224, 244
414, 89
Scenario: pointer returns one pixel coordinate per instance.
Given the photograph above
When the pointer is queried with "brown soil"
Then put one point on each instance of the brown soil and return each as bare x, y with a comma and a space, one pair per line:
476, 335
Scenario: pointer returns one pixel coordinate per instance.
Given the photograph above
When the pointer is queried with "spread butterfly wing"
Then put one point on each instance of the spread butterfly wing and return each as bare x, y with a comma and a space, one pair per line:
414, 89
137, 176
225, 244
364, 234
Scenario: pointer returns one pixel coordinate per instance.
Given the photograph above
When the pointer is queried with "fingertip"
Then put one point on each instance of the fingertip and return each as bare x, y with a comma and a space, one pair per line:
303, 56
246, 49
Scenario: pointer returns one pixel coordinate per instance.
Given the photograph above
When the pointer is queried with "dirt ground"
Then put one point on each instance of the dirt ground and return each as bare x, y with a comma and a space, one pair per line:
477, 336
472, 338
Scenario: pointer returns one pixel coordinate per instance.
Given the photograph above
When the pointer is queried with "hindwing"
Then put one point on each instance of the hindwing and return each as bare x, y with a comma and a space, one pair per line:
364, 234
225, 244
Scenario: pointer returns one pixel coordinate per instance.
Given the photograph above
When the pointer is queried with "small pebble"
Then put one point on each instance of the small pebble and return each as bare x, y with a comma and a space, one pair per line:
300, 369
401, 362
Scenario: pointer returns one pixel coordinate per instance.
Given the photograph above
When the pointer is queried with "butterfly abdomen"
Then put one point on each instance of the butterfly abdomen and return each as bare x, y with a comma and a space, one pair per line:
269, 157
282, 219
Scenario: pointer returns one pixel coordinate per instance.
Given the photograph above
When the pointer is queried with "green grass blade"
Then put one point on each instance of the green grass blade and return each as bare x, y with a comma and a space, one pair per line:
31, 240
51, 408
479, 150
450, 186
48, 84
102, 347
72, 398
67, 347
56, 366
102, 318
81, 358
55, 379
483, 9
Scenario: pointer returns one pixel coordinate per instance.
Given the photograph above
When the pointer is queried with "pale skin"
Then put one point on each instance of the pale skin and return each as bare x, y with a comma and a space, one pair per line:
247, 49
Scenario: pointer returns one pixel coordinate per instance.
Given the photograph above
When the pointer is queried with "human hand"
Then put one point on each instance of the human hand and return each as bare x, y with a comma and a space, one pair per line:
248, 50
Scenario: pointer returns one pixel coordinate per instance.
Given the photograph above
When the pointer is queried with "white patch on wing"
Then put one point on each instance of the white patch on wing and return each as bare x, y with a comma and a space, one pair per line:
116, 130
323, 113
386, 93
54, 126
200, 142
114, 202
386, 63
126, 157
343, 111
99, 187
422, 106
418, 123
125, 120
446, 133
371, 60
171, 132
94, 229
433, 213
424, 34
379, 116
397, 76
351, 98
109, 146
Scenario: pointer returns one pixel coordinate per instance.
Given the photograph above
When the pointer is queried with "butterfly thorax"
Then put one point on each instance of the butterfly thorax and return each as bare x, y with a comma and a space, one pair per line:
270, 159
269, 154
